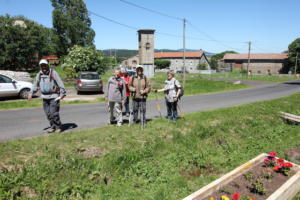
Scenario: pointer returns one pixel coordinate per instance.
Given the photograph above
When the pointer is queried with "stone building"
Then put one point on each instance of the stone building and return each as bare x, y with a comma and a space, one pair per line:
146, 51
132, 62
259, 63
192, 59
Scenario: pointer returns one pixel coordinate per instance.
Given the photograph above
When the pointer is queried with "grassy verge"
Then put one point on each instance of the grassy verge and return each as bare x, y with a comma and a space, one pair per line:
194, 85
33, 103
272, 78
164, 161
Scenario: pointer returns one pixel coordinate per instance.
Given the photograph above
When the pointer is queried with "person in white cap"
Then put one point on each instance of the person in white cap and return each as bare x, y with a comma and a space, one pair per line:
52, 91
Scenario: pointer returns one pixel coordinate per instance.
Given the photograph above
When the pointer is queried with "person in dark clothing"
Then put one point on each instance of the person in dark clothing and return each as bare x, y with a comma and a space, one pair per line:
172, 90
52, 91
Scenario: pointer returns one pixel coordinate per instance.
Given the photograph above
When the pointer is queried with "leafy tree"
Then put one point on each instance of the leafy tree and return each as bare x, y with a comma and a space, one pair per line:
202, 66
215, 58
22, 41
72, 24
294, 47
83, 59
162, 64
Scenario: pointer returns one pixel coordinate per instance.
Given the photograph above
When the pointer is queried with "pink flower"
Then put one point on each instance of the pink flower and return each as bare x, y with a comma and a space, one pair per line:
276, 168
272, 154
280, 160
288, 164
266, 160
236, 196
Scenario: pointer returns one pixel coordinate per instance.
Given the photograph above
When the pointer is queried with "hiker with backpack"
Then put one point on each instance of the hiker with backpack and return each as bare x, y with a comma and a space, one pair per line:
116, 97
173, 91
140, 88
52, 91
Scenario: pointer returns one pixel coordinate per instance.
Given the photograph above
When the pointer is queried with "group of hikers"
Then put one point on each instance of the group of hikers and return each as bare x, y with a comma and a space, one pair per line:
120, 87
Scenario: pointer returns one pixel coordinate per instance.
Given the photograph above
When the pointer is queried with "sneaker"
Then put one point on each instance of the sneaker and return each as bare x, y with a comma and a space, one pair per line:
127, 114
119, 124
50, 130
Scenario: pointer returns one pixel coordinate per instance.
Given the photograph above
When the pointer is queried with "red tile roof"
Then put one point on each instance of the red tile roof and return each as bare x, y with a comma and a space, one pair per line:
257, 56
196, 54
50, 57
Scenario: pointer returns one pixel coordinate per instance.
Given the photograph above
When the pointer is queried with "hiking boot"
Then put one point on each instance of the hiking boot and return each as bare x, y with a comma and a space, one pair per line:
50, 130
58, 130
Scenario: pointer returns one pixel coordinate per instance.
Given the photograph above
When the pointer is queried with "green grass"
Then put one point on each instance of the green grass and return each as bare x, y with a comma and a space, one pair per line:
164, 161
34, 103
194, 85
272, 78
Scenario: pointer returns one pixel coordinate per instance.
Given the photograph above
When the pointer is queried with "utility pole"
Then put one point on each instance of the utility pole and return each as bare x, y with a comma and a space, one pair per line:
296, 63
115, 56
248, 57
184, 22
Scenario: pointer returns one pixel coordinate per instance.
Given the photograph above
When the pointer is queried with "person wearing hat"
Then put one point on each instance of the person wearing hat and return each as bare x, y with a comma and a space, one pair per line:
140, 87
172, 91
52, 91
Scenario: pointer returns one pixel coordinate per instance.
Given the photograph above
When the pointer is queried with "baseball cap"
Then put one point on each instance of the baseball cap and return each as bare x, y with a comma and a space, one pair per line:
43, 61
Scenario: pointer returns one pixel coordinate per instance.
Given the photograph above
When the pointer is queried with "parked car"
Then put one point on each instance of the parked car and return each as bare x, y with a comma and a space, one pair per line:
181, 71
89, 82
10, 87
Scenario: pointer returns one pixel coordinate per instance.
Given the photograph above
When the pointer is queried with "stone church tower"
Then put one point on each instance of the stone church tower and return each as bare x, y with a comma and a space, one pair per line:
146, 51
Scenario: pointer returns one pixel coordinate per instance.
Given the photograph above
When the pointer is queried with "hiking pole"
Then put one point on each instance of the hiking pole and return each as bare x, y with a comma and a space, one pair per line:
141, 117
158, 106
179, 109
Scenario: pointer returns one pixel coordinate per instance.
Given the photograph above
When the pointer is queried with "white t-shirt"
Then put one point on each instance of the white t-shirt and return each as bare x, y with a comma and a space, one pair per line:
170, 88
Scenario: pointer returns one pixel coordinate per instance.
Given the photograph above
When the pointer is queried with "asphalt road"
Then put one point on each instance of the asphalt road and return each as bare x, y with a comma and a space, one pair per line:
31, 122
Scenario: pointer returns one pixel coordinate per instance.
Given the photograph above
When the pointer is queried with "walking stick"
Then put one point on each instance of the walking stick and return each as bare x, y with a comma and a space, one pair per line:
158, 106
142, 117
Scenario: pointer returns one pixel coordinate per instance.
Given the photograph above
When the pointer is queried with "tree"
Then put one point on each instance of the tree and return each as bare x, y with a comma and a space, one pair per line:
162, 64
202, 66
72, 24
83, 59
293, 48
22, 42
215, 58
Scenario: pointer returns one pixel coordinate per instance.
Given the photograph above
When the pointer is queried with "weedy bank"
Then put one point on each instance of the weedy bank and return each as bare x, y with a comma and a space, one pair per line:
164, 161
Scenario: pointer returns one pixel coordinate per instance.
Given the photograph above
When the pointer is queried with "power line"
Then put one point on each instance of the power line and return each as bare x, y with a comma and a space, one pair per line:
150, 10
114, 21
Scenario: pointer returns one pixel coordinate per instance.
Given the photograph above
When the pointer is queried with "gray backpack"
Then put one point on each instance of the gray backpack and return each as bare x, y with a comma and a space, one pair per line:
47, 83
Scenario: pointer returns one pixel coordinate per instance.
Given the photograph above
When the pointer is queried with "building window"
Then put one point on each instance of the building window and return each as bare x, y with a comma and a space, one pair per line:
148, 45
134, 62
259, 72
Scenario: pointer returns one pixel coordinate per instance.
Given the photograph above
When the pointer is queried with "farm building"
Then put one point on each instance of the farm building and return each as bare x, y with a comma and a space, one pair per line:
259, 63
192, 59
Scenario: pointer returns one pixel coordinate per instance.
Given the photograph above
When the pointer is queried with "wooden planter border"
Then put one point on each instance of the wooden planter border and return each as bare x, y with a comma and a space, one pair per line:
286, 192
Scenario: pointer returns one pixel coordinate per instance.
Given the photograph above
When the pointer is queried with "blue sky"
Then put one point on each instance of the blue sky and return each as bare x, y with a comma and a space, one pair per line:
271, 25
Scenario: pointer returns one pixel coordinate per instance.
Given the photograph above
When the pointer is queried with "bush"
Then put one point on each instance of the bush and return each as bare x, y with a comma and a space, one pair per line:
83, 59
202, 66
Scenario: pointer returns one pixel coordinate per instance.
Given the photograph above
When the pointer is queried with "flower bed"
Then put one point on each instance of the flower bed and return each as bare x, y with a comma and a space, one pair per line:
264, 177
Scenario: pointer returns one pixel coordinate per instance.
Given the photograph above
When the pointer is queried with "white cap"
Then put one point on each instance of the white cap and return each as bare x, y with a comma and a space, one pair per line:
139, 67
43, 61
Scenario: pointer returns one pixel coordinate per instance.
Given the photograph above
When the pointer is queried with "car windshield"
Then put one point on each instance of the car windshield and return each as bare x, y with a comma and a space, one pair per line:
90, 76
4, 79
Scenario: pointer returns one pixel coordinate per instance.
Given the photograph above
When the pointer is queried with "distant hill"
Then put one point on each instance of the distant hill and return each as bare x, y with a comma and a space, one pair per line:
128, 52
